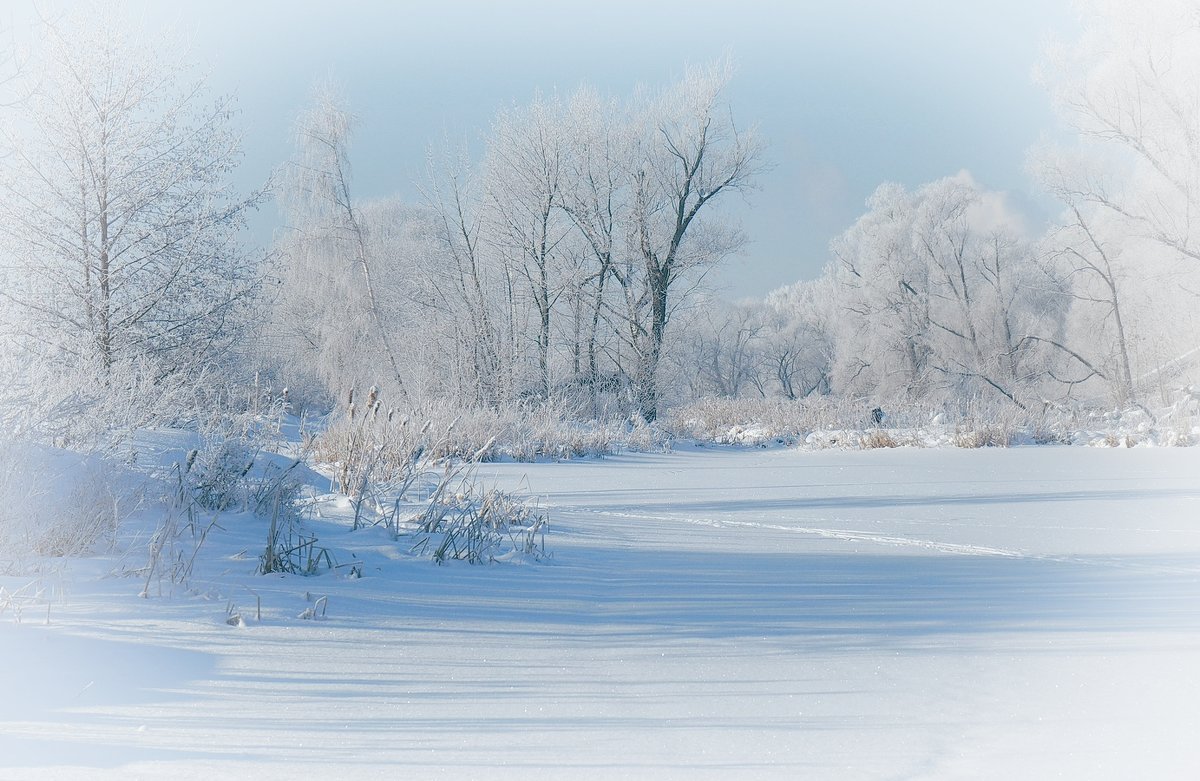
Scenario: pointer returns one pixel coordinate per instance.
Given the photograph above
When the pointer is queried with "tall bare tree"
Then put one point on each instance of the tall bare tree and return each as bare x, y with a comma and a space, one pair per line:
595, 197
328, 234
524, 173
688, 154
116, 210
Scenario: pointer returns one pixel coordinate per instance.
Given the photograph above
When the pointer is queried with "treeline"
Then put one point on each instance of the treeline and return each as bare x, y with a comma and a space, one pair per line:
563, 268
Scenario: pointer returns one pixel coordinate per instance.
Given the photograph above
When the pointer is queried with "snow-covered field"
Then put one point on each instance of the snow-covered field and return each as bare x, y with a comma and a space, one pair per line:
708, 613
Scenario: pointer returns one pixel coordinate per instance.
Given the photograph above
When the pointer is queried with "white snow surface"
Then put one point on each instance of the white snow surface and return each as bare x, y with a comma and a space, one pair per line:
707, 613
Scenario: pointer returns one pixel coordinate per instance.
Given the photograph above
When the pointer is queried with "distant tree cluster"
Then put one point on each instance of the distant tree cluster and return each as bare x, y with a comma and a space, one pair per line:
551, 268
942, 295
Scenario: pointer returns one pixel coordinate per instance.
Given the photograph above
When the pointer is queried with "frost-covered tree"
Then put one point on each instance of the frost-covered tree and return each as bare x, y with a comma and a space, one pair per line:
720, 352
884, 338
1086, 253
476, 291
594, 215
524, 173
1129, 87
331, 305
798, 346
118, 222
687, 153
596, 198
941, 294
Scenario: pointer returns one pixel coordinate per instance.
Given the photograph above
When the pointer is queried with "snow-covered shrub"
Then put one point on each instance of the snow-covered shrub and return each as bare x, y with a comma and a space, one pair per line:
463, 521
88, 408
222, 472
641, 437
762, 420
217, 473
55, 503
827, 421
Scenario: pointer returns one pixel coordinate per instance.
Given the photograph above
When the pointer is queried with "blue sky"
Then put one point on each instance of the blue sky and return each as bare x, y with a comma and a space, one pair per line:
847, 94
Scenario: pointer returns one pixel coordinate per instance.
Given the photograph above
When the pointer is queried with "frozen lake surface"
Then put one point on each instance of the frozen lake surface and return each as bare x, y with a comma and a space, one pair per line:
708, 613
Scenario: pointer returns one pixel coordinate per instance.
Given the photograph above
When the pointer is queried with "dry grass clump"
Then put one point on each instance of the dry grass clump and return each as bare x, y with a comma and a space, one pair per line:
1181, 438
373, 443
417, 480
982, 436
878, 438
1114, 439
476, 525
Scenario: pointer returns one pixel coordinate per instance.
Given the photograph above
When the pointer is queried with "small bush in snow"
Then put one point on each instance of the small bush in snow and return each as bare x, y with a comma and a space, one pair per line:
464, 522
54, 503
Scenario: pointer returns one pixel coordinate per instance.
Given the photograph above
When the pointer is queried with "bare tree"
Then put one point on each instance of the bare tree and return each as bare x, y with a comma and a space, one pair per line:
798, 344
574, 198
689, 152
1129, 87
117, 213
720, 353
595, 197
524, 173
1085, 252
479, 296
324, 216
